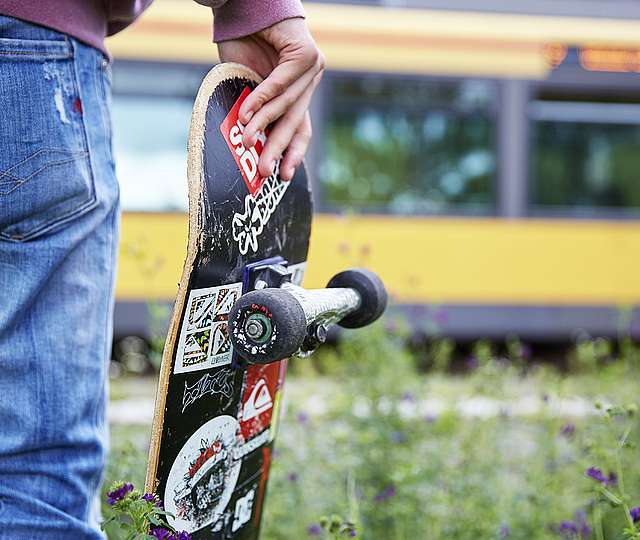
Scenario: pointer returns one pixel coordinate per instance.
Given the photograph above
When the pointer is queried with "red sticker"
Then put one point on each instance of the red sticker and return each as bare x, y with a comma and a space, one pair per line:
246, 158
258, 398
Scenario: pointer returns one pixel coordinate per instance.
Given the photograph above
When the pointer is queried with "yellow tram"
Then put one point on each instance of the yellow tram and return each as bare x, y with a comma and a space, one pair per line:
486, 164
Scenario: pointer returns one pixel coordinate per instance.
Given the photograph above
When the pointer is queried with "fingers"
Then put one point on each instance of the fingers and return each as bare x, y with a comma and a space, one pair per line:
274, 109
296, 150
298, 65
295, 59
282, 134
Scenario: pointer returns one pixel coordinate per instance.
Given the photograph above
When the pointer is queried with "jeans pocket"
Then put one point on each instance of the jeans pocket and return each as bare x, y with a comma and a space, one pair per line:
46, 178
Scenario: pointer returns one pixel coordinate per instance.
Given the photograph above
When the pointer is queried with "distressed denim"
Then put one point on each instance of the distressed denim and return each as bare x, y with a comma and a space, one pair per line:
59, 215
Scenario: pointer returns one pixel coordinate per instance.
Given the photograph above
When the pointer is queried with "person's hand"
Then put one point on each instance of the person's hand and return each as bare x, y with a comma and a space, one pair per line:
288, 59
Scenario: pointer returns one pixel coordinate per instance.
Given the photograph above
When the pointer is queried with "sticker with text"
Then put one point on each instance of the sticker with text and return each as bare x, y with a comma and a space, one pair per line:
220, 384
246, 158
243, 510
204, 339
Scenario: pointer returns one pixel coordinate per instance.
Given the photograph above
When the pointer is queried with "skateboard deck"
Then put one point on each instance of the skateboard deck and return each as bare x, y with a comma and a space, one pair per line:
216, 418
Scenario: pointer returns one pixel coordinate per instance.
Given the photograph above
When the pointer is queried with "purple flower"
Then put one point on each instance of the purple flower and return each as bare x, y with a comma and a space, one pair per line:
581, 523
567, 529
353, 533
292, 477
504, 531
149, 497
579, 528
119, 493
398, 437
418, 311
164, 534
430, 418
635, 514
390, 326
585, 530
408, 396
472, 363
441, 316
314, 530
387, 493
613, 479
597, 475
568, 430
568, 526
302, 418
580, 516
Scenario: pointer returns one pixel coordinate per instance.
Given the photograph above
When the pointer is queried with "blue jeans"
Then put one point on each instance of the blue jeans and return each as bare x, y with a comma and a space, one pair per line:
59, 215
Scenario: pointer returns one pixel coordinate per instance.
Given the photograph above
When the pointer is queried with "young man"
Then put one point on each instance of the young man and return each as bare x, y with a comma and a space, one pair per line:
59, 217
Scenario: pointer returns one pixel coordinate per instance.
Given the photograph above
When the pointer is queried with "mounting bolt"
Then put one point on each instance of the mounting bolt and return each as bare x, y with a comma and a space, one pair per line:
321, 333
258, 328
254, 329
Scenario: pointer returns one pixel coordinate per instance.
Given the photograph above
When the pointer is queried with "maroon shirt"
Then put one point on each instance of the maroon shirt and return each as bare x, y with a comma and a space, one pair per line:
91, 21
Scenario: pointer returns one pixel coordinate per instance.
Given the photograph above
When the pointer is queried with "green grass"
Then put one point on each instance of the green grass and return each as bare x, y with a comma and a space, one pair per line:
360, 441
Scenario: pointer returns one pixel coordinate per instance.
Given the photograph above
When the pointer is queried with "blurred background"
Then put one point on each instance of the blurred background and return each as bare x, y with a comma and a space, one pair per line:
483, 156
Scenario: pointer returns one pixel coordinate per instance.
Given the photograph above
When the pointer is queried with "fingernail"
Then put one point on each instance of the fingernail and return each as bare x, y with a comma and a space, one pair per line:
248, 115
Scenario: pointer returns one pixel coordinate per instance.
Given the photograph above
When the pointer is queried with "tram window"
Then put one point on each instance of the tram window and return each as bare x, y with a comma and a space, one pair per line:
585, 156
409, 146
150, 148
151, 115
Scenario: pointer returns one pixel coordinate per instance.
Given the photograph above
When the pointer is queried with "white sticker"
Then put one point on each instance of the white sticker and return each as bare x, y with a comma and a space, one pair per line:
259, 401
248, 225
203, 476
204, 339
242, 514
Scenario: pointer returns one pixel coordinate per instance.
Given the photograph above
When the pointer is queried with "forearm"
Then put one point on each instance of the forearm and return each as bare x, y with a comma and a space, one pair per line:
238, 18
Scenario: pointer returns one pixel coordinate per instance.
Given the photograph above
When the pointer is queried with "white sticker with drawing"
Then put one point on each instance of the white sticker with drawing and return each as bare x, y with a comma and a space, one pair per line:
204, 340
203, 476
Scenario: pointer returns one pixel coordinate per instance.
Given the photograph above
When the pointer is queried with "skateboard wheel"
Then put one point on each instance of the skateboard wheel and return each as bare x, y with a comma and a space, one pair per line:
267, 325
372, 293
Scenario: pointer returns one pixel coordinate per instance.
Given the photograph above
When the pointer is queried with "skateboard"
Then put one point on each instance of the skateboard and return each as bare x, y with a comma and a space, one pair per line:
240, 313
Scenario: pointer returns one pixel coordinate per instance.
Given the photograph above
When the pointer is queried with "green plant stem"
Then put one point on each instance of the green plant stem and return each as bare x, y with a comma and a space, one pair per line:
619, 471
597, 518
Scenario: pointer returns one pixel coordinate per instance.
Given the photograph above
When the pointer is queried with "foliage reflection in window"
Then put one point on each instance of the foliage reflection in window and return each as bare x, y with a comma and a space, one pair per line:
409, 146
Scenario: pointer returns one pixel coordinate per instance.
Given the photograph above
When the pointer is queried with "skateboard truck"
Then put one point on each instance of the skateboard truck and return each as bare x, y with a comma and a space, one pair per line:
278, 319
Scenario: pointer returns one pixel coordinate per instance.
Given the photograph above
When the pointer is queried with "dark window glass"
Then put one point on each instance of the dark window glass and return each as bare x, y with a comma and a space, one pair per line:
586, 155
409, 145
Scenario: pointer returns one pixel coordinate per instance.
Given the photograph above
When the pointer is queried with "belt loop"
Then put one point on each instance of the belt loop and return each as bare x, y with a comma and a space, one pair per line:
70, 45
